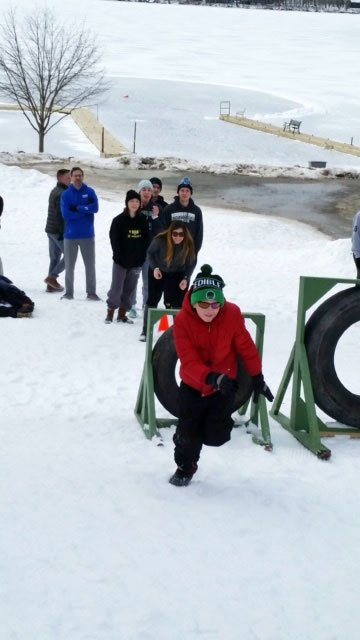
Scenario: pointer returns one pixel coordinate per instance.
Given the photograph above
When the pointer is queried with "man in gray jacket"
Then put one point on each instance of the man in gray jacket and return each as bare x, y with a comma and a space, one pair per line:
356, 242
55, 232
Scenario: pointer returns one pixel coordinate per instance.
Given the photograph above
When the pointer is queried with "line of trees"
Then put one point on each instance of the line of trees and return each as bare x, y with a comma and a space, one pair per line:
302, 5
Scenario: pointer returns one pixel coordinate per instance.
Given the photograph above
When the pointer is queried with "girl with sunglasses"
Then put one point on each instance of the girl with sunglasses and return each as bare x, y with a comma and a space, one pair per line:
210, 336
171, 256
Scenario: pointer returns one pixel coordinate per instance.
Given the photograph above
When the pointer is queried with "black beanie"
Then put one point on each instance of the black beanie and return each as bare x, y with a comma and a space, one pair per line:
156, 181
132, 195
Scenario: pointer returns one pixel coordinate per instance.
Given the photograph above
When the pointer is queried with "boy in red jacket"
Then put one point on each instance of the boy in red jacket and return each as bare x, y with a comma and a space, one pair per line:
210, 335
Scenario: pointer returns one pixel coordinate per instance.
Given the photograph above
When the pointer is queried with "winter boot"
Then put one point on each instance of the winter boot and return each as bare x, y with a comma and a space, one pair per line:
122, 317
53, 284
144, 329
110, 315
25, 310
182, 477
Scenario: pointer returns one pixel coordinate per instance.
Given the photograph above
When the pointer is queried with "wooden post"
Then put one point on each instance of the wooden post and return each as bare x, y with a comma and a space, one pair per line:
134, 145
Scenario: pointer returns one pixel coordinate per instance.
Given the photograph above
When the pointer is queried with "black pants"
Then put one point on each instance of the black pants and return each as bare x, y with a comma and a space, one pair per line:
167, 285
203, 420
357, 262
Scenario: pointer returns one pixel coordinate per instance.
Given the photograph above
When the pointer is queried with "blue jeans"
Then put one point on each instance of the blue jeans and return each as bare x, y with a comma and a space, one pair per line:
56, 253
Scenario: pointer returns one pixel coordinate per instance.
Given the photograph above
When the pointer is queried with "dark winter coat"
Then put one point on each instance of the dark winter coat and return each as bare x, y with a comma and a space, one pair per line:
156, 225
129, 239
191, 215
55, 221
161, 202
156, 255
11, 295
204, 347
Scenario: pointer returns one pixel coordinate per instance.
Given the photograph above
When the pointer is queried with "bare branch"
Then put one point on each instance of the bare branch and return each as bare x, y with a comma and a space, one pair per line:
46, 67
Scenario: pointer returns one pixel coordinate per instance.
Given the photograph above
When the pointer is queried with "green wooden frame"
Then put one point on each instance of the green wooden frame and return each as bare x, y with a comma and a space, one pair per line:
303, 422
145, 403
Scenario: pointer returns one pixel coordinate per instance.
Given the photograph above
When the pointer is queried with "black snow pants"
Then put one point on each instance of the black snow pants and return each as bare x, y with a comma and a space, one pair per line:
203, 420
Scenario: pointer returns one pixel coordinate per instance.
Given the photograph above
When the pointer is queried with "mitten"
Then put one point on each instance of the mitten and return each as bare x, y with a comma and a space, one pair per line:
221, 382
260, 386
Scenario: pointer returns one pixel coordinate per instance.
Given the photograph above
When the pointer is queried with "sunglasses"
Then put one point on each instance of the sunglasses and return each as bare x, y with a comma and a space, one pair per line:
206, 305
178, 234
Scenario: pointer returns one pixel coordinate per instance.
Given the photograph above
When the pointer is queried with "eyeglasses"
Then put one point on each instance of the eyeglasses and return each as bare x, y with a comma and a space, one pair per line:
177, 234
206, 305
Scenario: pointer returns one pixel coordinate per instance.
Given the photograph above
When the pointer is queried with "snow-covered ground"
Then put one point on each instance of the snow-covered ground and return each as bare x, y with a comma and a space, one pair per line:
95, 544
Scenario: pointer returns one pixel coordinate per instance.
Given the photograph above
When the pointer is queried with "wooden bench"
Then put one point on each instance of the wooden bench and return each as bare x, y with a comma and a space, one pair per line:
293, 126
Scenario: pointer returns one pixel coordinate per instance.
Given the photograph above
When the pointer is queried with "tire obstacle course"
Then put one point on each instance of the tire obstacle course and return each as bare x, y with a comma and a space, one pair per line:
159, 378
311, 364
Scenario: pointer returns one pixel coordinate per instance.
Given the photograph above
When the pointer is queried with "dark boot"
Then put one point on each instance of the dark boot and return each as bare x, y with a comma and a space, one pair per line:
182, 477
122, 317
144, 329
110, 315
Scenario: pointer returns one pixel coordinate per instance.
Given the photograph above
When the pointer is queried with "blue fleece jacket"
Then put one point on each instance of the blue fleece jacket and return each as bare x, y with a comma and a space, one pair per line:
78, 207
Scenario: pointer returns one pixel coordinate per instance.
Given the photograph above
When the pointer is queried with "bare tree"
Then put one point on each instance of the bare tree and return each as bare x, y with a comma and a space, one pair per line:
48, 68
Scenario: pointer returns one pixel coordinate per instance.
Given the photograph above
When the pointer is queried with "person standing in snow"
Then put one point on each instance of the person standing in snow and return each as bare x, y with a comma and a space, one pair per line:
210, 335
55, 232
129, 237
79, 203
152, 212
184, 209
171, 257
356, 242
157, 189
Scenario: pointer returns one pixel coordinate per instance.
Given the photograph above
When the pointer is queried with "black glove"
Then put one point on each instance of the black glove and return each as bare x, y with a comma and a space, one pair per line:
222, 383
73, 208
61, 236
260, 386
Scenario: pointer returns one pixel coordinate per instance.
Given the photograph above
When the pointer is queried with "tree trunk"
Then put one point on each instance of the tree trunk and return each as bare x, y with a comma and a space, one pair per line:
41, 141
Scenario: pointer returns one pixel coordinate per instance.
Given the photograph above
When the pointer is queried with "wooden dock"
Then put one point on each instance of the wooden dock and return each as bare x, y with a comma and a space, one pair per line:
325, 143
99, 136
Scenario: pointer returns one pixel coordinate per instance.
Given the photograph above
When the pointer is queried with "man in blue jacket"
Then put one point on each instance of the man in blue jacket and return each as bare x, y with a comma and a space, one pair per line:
79, 203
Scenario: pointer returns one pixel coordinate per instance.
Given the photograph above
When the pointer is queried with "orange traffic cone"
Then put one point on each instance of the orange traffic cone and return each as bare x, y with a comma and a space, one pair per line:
164, 323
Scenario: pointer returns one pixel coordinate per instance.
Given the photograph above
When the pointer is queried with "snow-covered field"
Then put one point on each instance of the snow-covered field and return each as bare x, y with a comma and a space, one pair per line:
95, 544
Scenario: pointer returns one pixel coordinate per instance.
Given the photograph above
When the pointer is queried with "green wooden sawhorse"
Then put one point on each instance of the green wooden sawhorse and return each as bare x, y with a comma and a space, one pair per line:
145, 403
303, 422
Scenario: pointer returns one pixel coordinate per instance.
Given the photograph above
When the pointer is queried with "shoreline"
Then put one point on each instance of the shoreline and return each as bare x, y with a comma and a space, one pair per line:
328, 205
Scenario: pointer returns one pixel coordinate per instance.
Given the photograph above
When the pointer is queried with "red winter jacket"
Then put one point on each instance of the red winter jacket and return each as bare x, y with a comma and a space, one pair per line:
203, 347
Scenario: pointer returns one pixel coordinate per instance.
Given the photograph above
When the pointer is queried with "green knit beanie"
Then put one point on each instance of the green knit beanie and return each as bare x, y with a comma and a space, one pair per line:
207, 287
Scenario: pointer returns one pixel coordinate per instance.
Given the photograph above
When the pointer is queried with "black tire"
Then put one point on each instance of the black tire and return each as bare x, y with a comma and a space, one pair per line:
164, 359
322, 334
